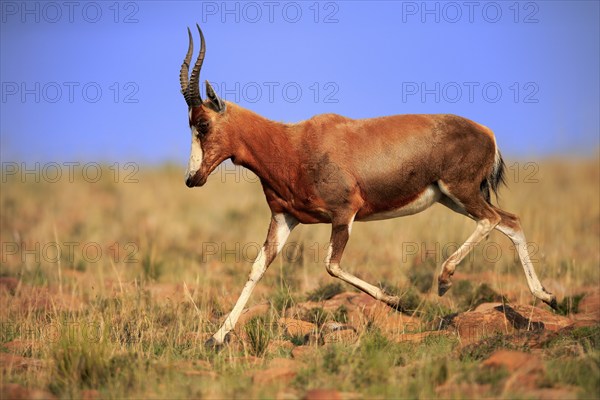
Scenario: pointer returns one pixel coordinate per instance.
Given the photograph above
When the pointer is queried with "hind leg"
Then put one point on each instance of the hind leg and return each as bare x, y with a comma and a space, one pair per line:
472, 203
511, 227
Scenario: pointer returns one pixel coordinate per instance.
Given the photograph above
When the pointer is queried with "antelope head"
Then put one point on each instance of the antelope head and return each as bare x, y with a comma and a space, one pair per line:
210, 145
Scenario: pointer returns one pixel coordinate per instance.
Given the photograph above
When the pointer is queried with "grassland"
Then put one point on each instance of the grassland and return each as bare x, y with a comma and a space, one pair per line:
109, 286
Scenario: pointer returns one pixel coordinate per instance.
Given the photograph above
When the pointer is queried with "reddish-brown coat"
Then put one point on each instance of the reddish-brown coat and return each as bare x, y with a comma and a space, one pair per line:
331, 167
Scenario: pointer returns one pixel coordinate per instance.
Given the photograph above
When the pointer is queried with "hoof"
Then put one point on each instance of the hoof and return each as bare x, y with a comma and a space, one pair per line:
391, 301
395, 304
214, 344
443, 287
552, 303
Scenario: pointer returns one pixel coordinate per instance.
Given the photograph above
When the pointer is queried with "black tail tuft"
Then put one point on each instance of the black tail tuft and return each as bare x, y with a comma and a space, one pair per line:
494, 180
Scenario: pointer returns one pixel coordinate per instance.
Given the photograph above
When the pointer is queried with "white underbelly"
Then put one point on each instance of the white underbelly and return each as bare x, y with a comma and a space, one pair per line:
425, 200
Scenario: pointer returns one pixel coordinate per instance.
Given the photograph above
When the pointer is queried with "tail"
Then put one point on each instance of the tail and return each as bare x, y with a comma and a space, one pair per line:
494, 179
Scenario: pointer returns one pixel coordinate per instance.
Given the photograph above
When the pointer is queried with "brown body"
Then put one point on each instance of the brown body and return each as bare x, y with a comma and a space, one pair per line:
333, 169
332, 166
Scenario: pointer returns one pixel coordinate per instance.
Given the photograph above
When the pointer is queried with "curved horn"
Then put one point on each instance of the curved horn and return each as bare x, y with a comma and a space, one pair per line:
193, 91
183, 74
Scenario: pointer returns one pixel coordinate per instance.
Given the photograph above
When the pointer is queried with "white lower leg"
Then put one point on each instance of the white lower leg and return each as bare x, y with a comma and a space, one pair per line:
535, 286
258, 269
335, 270
483, 228
337, 244
374, 291
279, 230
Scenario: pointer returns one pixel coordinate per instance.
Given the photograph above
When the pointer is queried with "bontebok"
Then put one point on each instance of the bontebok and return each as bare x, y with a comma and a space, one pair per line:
337, 170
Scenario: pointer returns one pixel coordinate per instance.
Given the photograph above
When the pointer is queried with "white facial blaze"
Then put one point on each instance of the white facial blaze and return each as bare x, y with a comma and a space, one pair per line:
196, 154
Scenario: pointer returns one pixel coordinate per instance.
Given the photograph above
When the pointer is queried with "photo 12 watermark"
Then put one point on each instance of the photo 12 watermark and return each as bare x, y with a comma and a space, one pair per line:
66, 92
471, 12
489, 92
53, 252
253, 12
330, 172
55, 12
274, 92
69, 172
54, 331
317, 252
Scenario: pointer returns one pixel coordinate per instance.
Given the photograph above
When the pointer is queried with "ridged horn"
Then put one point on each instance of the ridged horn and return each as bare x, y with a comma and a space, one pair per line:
185, 67
194, 85
191, 89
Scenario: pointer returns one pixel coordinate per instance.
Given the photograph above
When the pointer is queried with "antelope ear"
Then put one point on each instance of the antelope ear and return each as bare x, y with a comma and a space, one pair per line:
216, 102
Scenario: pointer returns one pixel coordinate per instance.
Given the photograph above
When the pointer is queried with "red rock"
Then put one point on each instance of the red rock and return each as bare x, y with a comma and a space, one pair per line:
525, 370
363, 300
506, 319
581, 320
322, 394
511, 360
484, 307
391, 321
90, 394
296, 327
590, 306
551, 321
279, 375
254, 311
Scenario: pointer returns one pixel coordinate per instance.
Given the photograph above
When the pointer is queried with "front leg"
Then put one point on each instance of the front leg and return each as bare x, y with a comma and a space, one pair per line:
340, 233
279, 229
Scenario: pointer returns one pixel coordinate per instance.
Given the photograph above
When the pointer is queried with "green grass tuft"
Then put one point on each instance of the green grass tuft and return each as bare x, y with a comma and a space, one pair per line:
259, 335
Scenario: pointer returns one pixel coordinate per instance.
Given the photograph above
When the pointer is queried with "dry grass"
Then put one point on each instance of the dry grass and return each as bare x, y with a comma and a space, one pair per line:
173, 260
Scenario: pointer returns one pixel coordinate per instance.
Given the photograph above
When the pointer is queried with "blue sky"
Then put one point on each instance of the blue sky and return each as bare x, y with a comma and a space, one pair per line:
98, 81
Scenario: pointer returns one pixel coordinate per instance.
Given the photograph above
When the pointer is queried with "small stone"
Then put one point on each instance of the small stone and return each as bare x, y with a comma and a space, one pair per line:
296, 327
322, 394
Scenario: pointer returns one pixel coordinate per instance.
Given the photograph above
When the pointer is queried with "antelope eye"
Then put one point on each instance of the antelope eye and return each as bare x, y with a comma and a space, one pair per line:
202, 127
